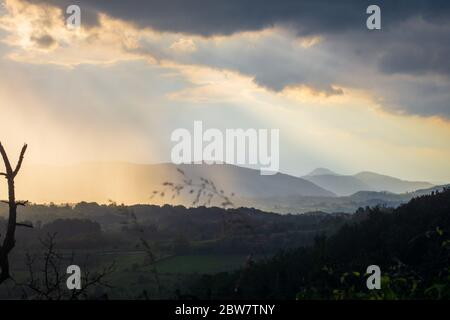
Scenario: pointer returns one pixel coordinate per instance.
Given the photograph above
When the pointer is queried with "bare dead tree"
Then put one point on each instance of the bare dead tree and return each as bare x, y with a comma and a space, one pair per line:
9, 240
47, 275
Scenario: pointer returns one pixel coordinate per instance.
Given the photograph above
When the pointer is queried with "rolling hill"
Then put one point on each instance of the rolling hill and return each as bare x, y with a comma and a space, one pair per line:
345, 185
134, 183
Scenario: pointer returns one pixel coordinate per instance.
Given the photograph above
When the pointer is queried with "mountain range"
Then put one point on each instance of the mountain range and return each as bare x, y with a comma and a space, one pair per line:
131, 183
345, 185
134, 183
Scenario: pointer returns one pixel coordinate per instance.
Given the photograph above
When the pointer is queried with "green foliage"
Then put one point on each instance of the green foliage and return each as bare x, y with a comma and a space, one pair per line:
410, 244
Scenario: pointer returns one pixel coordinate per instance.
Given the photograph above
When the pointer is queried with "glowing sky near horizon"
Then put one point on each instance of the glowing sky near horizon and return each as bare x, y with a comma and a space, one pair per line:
115, 89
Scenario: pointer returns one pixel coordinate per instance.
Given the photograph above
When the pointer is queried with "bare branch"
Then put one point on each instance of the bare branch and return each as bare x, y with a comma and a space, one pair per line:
9, 170
49, 282
24, 225
19, 163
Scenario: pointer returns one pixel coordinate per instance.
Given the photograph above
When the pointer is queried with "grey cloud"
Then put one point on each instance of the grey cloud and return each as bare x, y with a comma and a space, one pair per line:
44, 41
429, 53
275, 62
414, 41
417, 96
209, 17
306, 17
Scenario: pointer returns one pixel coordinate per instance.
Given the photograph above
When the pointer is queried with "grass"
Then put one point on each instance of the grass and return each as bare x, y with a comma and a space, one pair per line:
182, 264
201, 264
133, 275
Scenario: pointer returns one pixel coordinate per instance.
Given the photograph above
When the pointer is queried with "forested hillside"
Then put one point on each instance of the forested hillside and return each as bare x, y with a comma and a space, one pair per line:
411, 244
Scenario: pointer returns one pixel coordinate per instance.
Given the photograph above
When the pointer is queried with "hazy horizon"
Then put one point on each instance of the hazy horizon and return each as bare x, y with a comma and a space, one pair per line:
134, 183
343, 97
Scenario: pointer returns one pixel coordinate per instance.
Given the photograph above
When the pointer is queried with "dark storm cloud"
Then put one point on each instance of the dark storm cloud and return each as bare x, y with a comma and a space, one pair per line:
414, 41
418, 50
209, 17
306, 17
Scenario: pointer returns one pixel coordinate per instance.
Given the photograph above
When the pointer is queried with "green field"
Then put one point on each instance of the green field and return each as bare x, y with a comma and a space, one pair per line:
182, 264
133, 273
202, 264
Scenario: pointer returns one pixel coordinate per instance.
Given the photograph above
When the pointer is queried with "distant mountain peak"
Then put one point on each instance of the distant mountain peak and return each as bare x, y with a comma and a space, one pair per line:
321, 172
371, 173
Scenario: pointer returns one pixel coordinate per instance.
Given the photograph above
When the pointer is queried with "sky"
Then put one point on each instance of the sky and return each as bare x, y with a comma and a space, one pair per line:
344, 97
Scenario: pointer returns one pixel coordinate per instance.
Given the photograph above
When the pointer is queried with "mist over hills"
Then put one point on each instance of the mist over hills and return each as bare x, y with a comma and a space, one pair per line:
128, 183
134, 183
386, 183
340, 185
343, 204
345, 185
